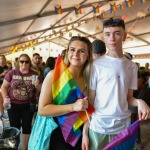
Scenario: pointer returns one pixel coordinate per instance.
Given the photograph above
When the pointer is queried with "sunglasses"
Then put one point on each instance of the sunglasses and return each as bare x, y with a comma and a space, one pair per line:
112, 19
22, 61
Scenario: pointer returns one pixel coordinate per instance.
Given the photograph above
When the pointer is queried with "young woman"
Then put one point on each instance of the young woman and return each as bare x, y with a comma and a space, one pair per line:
78, 59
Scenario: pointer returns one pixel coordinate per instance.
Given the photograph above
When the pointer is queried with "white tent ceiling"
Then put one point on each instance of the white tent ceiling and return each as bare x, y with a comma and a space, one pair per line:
24, 23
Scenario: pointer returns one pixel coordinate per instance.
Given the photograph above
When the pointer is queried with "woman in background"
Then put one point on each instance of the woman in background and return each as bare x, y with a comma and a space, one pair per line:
20, 91
50, 63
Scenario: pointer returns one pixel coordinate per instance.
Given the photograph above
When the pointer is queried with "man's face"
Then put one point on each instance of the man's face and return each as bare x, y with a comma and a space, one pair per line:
113, 37
2, 60
36, 59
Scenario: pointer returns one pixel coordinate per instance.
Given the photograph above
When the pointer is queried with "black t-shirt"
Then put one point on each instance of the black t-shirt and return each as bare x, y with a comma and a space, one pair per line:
2, 69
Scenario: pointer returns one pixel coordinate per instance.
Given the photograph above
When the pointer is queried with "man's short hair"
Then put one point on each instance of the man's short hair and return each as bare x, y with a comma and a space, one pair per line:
113, 22
36, 54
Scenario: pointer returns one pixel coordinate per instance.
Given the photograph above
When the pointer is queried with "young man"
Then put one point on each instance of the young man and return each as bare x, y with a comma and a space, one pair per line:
112, 83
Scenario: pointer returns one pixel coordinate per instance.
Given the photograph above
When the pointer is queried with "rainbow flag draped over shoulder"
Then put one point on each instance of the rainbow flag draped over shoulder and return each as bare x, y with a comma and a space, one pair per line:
124, 140
66, 91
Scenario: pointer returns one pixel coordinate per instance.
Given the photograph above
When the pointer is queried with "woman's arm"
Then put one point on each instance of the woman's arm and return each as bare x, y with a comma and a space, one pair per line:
47, 108
4, 89
143, 108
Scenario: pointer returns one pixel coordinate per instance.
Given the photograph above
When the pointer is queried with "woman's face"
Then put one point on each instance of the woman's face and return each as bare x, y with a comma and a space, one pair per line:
24, 63
77, 53
9, 65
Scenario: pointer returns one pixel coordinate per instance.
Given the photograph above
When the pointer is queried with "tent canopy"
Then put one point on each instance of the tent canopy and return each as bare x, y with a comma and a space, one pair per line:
25, 23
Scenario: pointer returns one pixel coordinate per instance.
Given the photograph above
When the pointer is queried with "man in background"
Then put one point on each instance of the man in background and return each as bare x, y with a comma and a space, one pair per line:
134, 111
99, 48
36, 60
3, 72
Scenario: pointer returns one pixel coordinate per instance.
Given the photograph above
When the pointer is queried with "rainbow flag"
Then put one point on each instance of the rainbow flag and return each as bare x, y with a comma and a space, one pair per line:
124, 140
126, 3
143, 1
95, 8
123, 5
58, 9
133, 2
129, 4
68, 92
78, 9
113, 7
103, 14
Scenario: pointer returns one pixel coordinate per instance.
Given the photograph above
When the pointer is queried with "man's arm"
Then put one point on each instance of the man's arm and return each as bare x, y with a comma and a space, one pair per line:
143, 108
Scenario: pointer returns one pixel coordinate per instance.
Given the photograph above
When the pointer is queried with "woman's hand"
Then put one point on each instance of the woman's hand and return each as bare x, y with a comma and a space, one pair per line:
143, 110
80, 104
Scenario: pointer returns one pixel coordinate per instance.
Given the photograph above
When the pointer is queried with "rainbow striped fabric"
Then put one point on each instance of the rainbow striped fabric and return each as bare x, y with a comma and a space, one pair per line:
113, 7
143, 1
124, 140
66, 91
58, 9
78, 9
95, 8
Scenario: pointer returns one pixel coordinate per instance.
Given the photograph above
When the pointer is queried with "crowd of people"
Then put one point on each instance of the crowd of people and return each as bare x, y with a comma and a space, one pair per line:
107, 79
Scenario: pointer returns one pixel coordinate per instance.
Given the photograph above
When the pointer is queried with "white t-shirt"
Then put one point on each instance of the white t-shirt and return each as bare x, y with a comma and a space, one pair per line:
112, 78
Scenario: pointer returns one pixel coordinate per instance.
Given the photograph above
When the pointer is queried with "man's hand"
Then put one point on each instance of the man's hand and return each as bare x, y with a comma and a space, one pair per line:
85, 142
143, 110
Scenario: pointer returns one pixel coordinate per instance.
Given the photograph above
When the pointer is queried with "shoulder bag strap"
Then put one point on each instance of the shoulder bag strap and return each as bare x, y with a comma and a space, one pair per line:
25, 85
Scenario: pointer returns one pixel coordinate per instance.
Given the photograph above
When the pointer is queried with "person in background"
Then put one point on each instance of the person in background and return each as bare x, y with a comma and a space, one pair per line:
63, 53
147, 67
112, 83
9, 65
134, 111
78, 58
3, 72
43, 65
36, 60
15, 62
99, 48
3, 68
50, 64
21, 92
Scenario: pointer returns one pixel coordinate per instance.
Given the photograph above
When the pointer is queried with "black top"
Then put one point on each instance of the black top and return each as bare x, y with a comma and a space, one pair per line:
2, 69
57, 141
